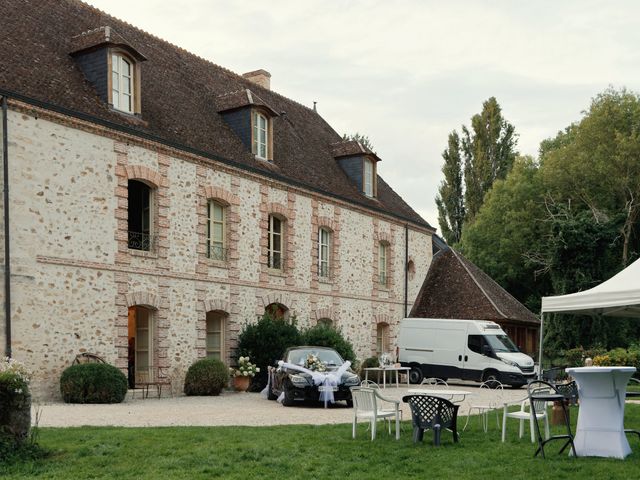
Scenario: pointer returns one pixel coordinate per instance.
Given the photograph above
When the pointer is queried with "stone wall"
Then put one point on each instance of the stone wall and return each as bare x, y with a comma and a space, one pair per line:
75, 278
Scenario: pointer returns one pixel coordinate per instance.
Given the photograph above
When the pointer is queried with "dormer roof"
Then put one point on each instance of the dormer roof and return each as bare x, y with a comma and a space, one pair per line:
100, 37
350, 148
240, 99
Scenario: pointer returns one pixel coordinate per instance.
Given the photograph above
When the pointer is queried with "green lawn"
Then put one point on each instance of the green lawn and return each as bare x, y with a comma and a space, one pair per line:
306, 452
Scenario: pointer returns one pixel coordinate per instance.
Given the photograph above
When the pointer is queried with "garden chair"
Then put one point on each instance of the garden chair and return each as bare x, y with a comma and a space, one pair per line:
87, 357
569, 390
541, 393
633, 391
434, 382
525, 413
369, 384
432, 413
367, 405
152, 377
494, 390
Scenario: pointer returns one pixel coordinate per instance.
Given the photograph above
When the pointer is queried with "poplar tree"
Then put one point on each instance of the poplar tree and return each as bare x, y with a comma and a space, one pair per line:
450, 199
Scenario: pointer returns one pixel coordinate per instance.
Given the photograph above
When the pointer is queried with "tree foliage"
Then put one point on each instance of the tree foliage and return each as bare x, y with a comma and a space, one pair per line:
358, 137
569, 221
450, 199
472, 163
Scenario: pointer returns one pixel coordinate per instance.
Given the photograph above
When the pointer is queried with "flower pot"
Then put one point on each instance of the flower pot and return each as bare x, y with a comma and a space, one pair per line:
241, 384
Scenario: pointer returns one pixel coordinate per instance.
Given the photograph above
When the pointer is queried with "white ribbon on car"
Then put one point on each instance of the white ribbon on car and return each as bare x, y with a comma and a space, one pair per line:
326, 380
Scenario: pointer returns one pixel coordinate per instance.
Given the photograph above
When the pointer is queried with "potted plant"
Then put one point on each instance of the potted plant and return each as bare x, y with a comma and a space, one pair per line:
243, 374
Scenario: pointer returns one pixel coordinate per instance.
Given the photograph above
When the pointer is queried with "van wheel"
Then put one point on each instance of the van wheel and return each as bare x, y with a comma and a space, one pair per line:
415, 375
491, 376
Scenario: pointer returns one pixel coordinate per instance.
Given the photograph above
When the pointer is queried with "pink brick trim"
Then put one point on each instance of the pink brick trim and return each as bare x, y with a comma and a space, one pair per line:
328, 312
221, 195
216, 304
144, 299
140, 172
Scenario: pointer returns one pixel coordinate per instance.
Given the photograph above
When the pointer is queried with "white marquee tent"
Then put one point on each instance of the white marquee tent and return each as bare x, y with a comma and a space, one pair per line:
618, 297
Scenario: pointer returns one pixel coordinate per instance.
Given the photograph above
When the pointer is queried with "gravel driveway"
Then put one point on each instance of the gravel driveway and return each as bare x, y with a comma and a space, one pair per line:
230, 408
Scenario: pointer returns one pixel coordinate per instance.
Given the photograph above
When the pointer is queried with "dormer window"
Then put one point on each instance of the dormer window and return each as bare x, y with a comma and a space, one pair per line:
112, 65
260, 136
368, 181
121, 83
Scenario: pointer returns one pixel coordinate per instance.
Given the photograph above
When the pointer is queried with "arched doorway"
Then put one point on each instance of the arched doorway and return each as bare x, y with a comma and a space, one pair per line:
141, 342
277, 311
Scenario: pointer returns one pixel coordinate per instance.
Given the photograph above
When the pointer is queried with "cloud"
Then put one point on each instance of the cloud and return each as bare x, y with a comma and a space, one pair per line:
406, 73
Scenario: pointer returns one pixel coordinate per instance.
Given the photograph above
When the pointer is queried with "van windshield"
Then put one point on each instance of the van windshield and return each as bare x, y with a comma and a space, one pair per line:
501, 343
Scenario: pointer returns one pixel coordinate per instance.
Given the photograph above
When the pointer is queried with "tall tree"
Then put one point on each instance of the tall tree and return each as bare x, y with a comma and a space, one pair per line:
489, 152
358, 137
484, 153
450, 199
596, 163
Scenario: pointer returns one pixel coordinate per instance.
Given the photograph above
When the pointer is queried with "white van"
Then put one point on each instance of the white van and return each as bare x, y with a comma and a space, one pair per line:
466, 349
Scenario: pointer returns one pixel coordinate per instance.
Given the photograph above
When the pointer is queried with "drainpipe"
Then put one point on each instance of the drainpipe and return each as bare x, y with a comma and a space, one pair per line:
406, 268
7, 254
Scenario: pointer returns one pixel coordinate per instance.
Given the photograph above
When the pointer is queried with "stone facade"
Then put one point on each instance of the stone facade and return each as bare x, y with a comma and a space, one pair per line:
74, 277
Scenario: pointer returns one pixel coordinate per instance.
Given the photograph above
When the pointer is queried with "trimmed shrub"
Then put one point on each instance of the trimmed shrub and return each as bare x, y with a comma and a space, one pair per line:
327, 336
93, 383
370, 362
15, 404
206, 377
265, 342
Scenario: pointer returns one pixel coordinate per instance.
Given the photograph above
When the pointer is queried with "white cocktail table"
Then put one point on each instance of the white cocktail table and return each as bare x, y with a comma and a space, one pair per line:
602, 391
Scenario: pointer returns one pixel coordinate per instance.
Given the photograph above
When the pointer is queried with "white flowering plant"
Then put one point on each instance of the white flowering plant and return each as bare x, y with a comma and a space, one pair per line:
245, 368
313, 363
14, 377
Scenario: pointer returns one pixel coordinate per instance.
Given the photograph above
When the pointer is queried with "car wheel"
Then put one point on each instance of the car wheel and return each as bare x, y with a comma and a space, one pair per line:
270, 394
288, 400
415, 375
492, 377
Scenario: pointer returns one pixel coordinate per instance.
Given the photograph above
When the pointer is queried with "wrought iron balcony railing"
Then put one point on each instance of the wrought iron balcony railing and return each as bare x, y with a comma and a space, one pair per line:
218, 253
142, 241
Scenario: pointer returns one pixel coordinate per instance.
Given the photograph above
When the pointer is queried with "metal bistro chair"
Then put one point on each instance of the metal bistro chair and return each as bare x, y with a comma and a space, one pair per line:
492, 388
540, 393
432, 413
366, 405
569, 390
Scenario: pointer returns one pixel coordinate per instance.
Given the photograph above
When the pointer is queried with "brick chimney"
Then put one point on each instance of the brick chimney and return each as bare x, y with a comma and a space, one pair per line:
260, 77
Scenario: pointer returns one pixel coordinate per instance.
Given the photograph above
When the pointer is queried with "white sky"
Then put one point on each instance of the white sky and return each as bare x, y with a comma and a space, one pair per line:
406, 73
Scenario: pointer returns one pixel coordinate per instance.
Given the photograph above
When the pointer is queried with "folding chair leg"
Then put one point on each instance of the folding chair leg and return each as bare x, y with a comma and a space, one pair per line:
531, 427
373, 429
353, 429
504, 425
521, 428
397, 427
436, 435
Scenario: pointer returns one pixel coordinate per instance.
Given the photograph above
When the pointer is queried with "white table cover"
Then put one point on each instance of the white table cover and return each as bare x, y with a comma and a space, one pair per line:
600, 431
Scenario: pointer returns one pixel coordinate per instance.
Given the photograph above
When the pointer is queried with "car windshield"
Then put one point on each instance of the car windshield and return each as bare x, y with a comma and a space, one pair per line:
501, 343
328, 357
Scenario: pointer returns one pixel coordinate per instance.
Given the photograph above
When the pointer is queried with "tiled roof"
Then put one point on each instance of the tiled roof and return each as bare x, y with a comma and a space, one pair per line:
455, 288
346, 148
180, 92
241, 98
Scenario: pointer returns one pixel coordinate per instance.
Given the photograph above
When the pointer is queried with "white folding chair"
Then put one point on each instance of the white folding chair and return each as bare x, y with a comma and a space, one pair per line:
493, 391
523, 414
366, 406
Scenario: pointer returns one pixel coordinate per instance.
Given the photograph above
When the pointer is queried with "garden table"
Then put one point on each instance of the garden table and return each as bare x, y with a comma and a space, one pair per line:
384, 371
445, 393
600, 431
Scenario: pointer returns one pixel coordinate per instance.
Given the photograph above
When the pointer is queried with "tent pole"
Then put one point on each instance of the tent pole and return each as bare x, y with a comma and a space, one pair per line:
540, 351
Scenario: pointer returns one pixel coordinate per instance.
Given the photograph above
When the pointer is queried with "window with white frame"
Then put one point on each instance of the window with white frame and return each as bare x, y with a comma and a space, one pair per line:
383, 254
216, 216
324, 245
122, 83
261, 135
215, 334
274, 243
382, 338
367, 180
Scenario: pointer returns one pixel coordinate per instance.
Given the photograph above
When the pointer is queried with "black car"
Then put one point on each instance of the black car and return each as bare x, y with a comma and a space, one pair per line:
296, 385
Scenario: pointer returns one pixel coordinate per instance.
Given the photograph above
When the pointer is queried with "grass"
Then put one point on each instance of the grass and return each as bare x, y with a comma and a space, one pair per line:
306, 452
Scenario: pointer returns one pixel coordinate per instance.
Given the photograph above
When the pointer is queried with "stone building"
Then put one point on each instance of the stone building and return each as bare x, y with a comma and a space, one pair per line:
158, 202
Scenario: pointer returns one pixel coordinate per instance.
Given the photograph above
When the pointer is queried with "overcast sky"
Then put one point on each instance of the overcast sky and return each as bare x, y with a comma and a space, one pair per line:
406, 73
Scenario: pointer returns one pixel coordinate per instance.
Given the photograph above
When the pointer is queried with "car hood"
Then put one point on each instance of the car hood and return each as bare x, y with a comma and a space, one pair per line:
518, 357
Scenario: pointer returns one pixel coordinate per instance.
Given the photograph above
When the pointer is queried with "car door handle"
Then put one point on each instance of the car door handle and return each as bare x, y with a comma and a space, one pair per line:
459, 358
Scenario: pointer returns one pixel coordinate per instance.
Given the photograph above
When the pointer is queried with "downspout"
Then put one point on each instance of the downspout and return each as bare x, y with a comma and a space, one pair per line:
7, 253
541, 338
406, 268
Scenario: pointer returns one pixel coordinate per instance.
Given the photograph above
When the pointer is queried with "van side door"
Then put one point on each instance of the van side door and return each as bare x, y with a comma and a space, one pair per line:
475, 361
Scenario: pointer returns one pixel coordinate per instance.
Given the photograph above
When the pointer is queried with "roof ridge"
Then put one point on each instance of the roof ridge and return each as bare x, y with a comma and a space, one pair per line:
486, 295
226, 70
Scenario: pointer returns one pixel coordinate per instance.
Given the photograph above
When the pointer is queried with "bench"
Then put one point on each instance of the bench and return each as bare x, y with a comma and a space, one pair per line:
152, 377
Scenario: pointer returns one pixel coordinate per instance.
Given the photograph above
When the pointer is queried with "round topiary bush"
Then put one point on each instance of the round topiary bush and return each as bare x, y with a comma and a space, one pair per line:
327, 336
93, 383
206, 377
